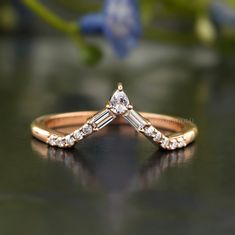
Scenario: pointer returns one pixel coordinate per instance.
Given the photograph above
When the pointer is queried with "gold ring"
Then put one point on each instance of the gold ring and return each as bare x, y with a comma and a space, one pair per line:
168, 132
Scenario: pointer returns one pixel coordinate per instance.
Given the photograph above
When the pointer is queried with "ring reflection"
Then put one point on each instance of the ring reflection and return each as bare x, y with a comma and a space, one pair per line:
111, 161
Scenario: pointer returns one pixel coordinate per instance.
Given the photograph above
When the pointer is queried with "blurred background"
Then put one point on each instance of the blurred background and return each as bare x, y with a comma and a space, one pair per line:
174, 57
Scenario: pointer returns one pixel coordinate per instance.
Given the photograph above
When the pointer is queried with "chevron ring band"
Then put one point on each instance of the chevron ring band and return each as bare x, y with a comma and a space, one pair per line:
168, 132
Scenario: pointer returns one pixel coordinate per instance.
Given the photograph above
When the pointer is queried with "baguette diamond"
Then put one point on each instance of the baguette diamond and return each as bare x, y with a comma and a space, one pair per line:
135, 119
102, 119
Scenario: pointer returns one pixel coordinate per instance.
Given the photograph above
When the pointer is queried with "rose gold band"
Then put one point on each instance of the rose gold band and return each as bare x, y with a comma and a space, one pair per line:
177, 132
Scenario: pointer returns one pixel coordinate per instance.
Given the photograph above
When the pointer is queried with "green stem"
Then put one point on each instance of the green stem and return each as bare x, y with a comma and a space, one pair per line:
51, 18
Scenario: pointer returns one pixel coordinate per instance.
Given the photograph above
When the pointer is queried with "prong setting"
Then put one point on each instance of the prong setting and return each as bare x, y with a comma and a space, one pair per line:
108, 106
130, 107
120, 86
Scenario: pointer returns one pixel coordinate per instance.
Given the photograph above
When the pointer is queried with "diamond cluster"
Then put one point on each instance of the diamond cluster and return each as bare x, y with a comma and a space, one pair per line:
69, 140
143, 125
97, 122
165, 142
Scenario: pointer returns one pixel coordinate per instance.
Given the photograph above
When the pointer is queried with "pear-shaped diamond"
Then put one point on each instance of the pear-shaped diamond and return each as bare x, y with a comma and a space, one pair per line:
119, 102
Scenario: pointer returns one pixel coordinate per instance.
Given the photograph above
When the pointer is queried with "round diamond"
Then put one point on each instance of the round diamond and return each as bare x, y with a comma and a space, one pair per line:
61, 142
149, 130
164, 142
69, 140
181, 142
119, 102
157, 136
78, 135
52, 140
87, 129
173, 144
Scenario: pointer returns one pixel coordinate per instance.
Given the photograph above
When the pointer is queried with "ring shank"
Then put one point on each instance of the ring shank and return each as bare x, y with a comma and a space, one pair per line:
45, 126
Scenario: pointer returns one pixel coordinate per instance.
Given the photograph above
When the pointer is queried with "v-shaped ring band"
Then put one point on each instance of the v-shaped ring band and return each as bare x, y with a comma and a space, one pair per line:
180, 132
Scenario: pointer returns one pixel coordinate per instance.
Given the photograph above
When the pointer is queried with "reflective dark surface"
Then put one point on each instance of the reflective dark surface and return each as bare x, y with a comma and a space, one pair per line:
116, 184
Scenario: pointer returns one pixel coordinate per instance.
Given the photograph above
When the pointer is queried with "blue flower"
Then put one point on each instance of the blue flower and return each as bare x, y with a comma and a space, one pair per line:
222, 14
119, 22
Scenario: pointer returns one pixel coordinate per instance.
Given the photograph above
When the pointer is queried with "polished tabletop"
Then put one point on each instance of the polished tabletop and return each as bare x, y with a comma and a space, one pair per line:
116, 183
